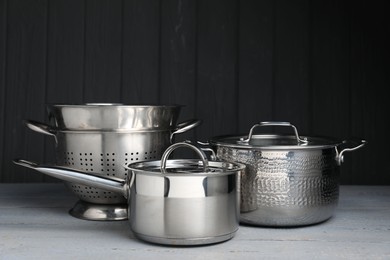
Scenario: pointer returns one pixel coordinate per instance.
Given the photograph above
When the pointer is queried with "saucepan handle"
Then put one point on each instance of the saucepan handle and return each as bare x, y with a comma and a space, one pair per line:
275, 123
173, 147
75, 176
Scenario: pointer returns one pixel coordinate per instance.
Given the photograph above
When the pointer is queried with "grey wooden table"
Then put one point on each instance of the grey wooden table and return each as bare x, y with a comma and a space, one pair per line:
35, 224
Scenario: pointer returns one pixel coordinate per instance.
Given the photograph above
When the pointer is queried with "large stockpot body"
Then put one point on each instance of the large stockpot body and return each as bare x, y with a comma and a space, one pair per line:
172, 202
289, 180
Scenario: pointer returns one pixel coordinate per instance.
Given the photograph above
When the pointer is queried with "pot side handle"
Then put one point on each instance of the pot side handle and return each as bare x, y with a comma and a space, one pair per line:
205, 147
358, 144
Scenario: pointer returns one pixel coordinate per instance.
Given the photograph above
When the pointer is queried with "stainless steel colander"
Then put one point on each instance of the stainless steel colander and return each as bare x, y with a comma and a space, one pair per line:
105, 151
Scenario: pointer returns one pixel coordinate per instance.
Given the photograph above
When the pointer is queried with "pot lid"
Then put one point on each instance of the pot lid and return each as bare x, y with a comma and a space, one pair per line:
285, 142
274, 141
185, 167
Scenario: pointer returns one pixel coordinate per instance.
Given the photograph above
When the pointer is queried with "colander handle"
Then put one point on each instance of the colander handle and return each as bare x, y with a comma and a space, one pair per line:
276, 123
41, 127
173, 147
185, 126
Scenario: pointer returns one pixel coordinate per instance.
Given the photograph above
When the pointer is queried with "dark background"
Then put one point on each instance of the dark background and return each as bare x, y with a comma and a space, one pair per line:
322, 65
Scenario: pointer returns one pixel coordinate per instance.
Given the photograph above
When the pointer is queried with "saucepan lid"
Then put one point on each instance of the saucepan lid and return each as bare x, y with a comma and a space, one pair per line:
185, 167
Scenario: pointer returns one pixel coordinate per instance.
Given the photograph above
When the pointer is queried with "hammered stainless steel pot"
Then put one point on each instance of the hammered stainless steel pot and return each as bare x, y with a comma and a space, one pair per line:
173, 202
101, 138
290, 180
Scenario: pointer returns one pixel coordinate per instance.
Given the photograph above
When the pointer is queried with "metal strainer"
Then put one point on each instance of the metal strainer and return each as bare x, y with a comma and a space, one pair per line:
105, 152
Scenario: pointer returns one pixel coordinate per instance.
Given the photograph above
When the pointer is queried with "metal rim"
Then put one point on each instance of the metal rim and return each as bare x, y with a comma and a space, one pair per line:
112, 116
285, 142
99, 212
114, 131
187, 241
215, 168
185, 167
118, 105
233, 141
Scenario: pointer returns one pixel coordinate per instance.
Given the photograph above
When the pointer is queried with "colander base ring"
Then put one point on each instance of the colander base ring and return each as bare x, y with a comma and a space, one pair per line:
99, 212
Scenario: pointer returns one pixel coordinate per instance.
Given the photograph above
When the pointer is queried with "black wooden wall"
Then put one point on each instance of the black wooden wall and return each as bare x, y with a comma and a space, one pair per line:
322, 65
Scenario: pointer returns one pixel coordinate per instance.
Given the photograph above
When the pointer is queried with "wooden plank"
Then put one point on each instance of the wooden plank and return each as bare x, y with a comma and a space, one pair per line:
329, 69
217, 68
35, 224
255, 63
3, 55
65, 69
178, 58
25, 86
369, 74
141, 52
291, 63
321, 65
103, 50
330, 88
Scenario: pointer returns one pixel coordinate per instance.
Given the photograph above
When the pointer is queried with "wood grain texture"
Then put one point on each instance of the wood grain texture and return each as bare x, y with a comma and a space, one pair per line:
217, 67
291, 63
329, 56
66, 50
255, 63
322, 65
178, 59
330, 88
3, 55
370, 81
65, 59
35, 224
141, 52
103, 51
25, 84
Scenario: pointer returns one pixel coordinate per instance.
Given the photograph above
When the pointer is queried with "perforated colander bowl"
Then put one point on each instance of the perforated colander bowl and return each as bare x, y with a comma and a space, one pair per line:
105, 154
131, 134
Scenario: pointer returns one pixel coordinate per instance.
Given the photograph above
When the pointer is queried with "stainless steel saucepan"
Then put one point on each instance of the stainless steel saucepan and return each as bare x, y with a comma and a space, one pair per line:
173, 202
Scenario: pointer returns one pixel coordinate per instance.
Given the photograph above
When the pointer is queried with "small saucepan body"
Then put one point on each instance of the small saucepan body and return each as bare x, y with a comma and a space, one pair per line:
172, 202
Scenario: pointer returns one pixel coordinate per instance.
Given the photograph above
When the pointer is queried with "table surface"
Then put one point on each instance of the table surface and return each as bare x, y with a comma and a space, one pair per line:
35, 224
